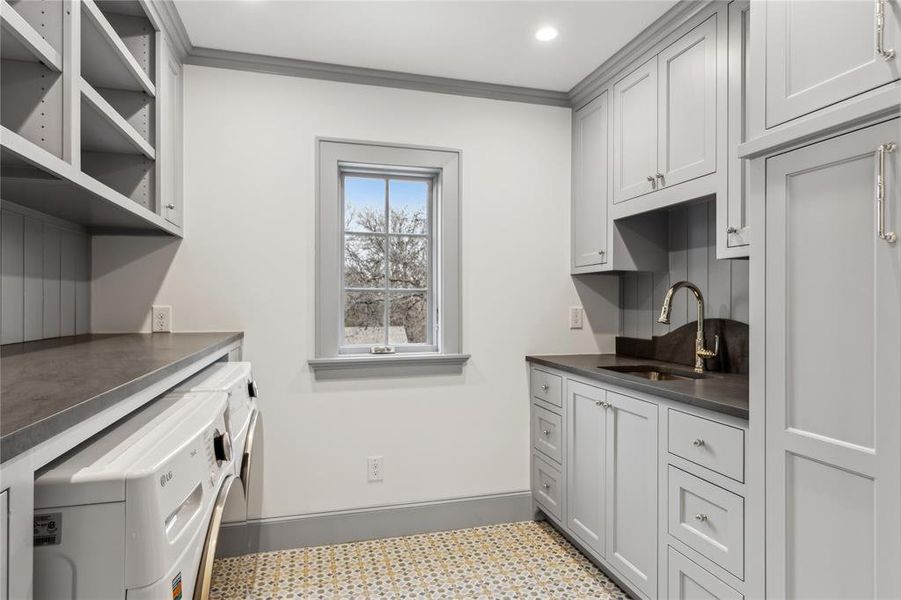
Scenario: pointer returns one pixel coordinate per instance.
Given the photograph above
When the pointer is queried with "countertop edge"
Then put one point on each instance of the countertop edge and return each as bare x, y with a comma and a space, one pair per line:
17, 442
639, 385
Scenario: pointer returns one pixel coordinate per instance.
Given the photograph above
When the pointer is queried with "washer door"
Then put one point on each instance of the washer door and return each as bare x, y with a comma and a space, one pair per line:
247, 457
231, 503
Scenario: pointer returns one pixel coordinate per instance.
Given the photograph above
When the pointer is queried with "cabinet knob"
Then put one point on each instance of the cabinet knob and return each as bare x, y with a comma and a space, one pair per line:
701, 517
546, 431
698, 443
544, 387
547, 486
170, 206
653, 181
659, 179
731, 230
602, 252
598, 403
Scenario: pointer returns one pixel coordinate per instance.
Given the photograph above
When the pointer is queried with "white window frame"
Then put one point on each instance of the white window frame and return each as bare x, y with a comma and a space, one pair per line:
388, 174
335, 159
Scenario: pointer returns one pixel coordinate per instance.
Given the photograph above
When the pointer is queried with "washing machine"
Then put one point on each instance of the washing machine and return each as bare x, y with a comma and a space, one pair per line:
236, 380
134, 513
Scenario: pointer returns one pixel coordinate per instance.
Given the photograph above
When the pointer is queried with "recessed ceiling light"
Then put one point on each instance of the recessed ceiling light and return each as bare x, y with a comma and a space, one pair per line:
546, 33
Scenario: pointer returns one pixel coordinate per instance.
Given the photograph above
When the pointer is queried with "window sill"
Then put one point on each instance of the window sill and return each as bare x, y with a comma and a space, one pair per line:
399, 364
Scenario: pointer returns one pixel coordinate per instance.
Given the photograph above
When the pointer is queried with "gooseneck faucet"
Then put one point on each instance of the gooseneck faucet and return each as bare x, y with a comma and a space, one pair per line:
701, 351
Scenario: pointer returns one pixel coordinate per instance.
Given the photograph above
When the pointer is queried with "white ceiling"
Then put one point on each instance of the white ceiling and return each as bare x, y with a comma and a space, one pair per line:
481, 41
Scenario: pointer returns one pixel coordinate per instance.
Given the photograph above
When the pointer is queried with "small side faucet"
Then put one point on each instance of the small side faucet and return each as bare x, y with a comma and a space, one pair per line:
701, 351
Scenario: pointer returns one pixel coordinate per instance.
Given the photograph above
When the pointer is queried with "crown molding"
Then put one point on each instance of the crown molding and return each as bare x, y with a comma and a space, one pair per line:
585, 90
227, 59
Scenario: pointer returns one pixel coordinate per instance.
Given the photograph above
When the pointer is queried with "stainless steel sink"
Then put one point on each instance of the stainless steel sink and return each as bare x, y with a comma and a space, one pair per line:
655, 373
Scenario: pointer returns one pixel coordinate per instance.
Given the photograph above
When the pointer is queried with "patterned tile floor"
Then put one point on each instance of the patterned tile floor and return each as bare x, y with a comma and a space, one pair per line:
514, 560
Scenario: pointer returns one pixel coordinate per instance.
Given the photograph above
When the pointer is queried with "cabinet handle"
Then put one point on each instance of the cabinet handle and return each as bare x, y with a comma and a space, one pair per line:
547, 486
653, 181
888, 236
701, 517
602, 252
732, 230
881, 50
659, 179
698, 443
599, 403
546, 432
544, 387
170, 206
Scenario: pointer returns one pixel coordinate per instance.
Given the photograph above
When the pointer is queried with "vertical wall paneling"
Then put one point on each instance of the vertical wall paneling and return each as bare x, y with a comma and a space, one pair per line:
46, 276
51, 277
692, 256
12, 295
34, 279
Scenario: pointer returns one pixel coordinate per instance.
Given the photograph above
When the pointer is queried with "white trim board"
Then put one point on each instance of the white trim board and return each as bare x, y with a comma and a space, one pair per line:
339, 527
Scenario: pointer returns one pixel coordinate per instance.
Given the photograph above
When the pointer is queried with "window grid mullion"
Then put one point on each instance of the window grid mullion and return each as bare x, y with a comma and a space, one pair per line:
387, 258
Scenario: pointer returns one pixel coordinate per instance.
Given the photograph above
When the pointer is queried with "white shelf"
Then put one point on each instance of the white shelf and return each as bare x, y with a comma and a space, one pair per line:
35, 178
20, 41
103, 129
105, 60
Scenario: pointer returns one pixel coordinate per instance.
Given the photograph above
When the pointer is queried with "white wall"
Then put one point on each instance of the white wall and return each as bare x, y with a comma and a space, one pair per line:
247, 263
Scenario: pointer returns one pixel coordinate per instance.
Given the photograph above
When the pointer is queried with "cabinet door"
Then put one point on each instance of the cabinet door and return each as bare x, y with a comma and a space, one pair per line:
635, 132
170, 154
833, 371
4, 545
586, 418
631, 482
687, 106
820, 53
733, 235
589, 212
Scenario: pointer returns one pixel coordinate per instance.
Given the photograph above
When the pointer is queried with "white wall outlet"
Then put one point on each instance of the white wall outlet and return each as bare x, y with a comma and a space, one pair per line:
575, 317
374, 467
161, 318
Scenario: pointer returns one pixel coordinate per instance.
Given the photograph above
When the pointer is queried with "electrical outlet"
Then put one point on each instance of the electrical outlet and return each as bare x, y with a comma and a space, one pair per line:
374, 467
575, 317
161, 318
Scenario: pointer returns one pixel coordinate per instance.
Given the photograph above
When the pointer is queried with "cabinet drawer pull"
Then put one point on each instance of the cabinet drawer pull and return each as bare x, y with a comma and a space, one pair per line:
659, 178
546, 432
544, 387
547, 486
653, 182
698, 443
701, 517
170, 206
888, 236
731, 230
599, 403
881, 50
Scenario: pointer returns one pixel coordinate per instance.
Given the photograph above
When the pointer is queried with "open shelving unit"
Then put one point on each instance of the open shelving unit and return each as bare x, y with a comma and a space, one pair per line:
79, 119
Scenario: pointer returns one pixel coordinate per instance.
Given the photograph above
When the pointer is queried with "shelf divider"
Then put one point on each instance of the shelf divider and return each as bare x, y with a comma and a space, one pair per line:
105, 130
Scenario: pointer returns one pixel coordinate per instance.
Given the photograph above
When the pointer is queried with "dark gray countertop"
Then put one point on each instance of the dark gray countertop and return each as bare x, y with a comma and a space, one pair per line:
721, 392
48, 386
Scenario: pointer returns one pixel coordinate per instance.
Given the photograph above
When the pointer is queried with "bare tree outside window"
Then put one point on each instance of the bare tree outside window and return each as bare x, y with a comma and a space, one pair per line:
388, 254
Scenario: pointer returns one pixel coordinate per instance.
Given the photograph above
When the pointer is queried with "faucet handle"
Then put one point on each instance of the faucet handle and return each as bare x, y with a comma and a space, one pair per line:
705, 353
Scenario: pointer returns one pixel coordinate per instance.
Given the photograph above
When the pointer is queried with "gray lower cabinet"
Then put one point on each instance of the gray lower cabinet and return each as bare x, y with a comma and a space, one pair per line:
586, 447
833, 350
631, 482
686, 580
820, 53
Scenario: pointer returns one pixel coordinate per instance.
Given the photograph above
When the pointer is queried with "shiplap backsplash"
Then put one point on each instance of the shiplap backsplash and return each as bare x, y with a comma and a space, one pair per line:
45, 276
692, 256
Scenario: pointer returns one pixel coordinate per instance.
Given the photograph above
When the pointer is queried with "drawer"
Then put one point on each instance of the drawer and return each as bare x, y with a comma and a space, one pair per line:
708, 519
686, 580
547, 433
547, 386
547, 486
718, 447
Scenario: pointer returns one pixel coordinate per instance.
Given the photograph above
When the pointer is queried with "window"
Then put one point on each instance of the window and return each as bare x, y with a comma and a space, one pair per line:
388, 263
388, 266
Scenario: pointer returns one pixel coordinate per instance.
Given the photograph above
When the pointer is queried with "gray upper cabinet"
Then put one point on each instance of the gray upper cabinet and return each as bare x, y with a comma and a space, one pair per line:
170, 180
586, 424
687, 106
820, 53
635, 132
733, 234
631, 488
833, 437
589, 211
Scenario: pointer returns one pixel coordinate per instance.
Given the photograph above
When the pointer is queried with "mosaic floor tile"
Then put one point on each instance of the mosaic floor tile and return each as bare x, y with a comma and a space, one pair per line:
509, 561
